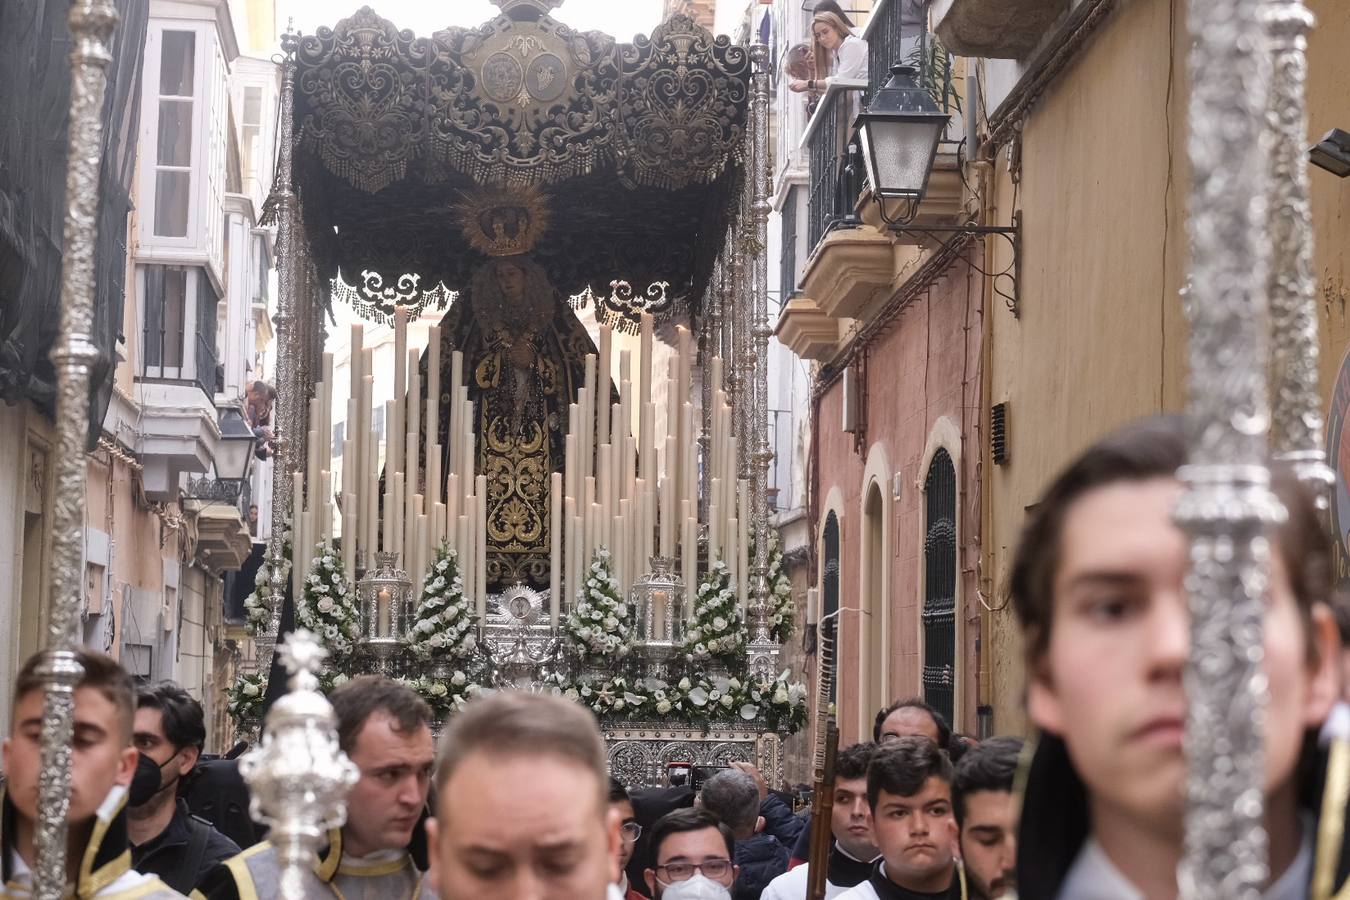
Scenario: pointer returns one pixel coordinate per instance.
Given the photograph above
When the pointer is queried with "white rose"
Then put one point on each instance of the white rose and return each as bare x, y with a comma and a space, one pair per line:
780, 695
438, 690
727, 700
339, 680
325, 604
749, 711
458, 679
249, 689
720, 623
663, 706
684, 684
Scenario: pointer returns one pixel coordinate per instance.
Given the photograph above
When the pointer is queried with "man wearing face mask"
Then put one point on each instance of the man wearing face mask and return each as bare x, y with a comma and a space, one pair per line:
166, 839
692, 851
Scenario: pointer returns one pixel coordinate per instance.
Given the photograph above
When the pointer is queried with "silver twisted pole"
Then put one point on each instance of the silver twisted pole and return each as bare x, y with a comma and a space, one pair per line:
287, 423
1227, 505
758, 388
91, 25
1297, 425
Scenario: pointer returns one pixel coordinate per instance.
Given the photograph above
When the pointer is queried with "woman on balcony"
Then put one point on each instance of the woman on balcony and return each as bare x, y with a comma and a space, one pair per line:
838, 52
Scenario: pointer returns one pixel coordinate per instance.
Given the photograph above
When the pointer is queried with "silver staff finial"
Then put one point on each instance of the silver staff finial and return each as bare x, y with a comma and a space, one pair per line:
298, 776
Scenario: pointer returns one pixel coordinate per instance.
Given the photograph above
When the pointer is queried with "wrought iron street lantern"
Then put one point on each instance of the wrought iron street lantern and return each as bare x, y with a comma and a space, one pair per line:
234, 452
899, 132
386, 599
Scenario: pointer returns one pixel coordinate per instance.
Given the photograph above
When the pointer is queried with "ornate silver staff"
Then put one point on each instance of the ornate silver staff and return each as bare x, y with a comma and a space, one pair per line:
758, 389
288, 428
1227, 506
1297, 425
91, 26
298, 777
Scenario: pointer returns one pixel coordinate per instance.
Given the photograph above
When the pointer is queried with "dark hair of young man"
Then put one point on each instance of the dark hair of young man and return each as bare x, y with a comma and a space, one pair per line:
852, 762
1152, 448
902, 766
100, 672
358, 699
617, 792
183, 721
685, 820
989, 766
944, 730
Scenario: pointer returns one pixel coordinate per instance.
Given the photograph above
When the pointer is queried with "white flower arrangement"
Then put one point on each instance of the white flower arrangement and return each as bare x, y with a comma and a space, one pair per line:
326, 606
782, 609
445, 696
443, 627
717, 632
600, 626
775, 703
246, 696
258, 605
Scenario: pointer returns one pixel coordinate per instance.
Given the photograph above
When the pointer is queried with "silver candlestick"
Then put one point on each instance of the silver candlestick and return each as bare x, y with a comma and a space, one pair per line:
298, 777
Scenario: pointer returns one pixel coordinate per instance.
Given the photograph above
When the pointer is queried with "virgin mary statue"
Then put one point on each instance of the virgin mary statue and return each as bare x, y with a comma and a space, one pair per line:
524, 359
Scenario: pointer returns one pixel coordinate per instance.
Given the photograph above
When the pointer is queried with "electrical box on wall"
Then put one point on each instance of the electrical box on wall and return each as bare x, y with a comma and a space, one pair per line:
850, 384
897, 486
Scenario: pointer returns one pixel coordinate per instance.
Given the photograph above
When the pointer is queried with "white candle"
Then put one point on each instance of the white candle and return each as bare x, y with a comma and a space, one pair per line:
433, 490
714, 529
667, 510
371, 521
603, 391
743, 543
325, 390
456, 421
592, 519
396, 426
733, 556
619, 552
324, 508
481, 564
554, 546
645, 387
689, 561
465, 558
453, 500
592, 404
409, 491
438, 525
369, 463
297, 549
433, 411
397, 502
423, 540
570, 570
383, 612
412, 464
604, 484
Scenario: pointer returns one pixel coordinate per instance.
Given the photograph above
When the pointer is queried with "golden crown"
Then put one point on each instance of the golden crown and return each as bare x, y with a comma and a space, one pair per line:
503, 221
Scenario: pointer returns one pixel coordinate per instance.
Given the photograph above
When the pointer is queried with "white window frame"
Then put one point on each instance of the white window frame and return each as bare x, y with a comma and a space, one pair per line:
188, 370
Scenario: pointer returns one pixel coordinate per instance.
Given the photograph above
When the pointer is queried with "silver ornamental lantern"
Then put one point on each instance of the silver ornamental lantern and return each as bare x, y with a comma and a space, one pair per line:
386, 599
298, 777
658, 597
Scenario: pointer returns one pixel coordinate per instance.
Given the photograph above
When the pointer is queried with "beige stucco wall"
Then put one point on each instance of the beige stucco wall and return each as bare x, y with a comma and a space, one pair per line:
1102, 338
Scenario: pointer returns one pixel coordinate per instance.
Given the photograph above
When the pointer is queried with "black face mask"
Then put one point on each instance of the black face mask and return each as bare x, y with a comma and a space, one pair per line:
147, 781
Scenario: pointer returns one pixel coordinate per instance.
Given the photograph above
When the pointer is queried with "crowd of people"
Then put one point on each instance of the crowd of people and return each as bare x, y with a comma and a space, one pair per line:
517, 801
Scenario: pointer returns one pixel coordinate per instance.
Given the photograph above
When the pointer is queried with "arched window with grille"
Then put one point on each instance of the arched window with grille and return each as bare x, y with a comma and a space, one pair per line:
829, 587
939, 600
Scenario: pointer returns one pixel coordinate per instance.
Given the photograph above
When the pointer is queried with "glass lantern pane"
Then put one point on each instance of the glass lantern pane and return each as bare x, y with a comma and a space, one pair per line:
900, 155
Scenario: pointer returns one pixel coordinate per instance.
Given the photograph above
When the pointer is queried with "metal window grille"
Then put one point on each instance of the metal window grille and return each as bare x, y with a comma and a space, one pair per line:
939, 602
829, 583
834, 182
787, 278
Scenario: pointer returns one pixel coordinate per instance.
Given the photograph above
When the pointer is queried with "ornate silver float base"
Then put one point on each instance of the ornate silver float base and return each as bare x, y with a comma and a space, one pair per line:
640, 751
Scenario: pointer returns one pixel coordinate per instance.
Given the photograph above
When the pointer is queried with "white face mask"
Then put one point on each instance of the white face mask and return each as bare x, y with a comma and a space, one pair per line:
699, 887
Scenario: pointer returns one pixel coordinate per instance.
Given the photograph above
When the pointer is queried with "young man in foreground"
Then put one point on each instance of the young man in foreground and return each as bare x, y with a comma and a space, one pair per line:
909, 790
98, 861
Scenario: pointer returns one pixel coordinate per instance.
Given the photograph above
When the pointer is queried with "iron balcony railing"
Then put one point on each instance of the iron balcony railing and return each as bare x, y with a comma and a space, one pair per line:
836, 172
897, 35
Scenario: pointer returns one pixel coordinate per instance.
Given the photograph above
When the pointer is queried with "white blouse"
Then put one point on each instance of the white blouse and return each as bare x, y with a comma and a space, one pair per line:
850, 60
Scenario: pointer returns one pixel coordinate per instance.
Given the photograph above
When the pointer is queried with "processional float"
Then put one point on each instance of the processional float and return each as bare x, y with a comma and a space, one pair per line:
1247, 123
